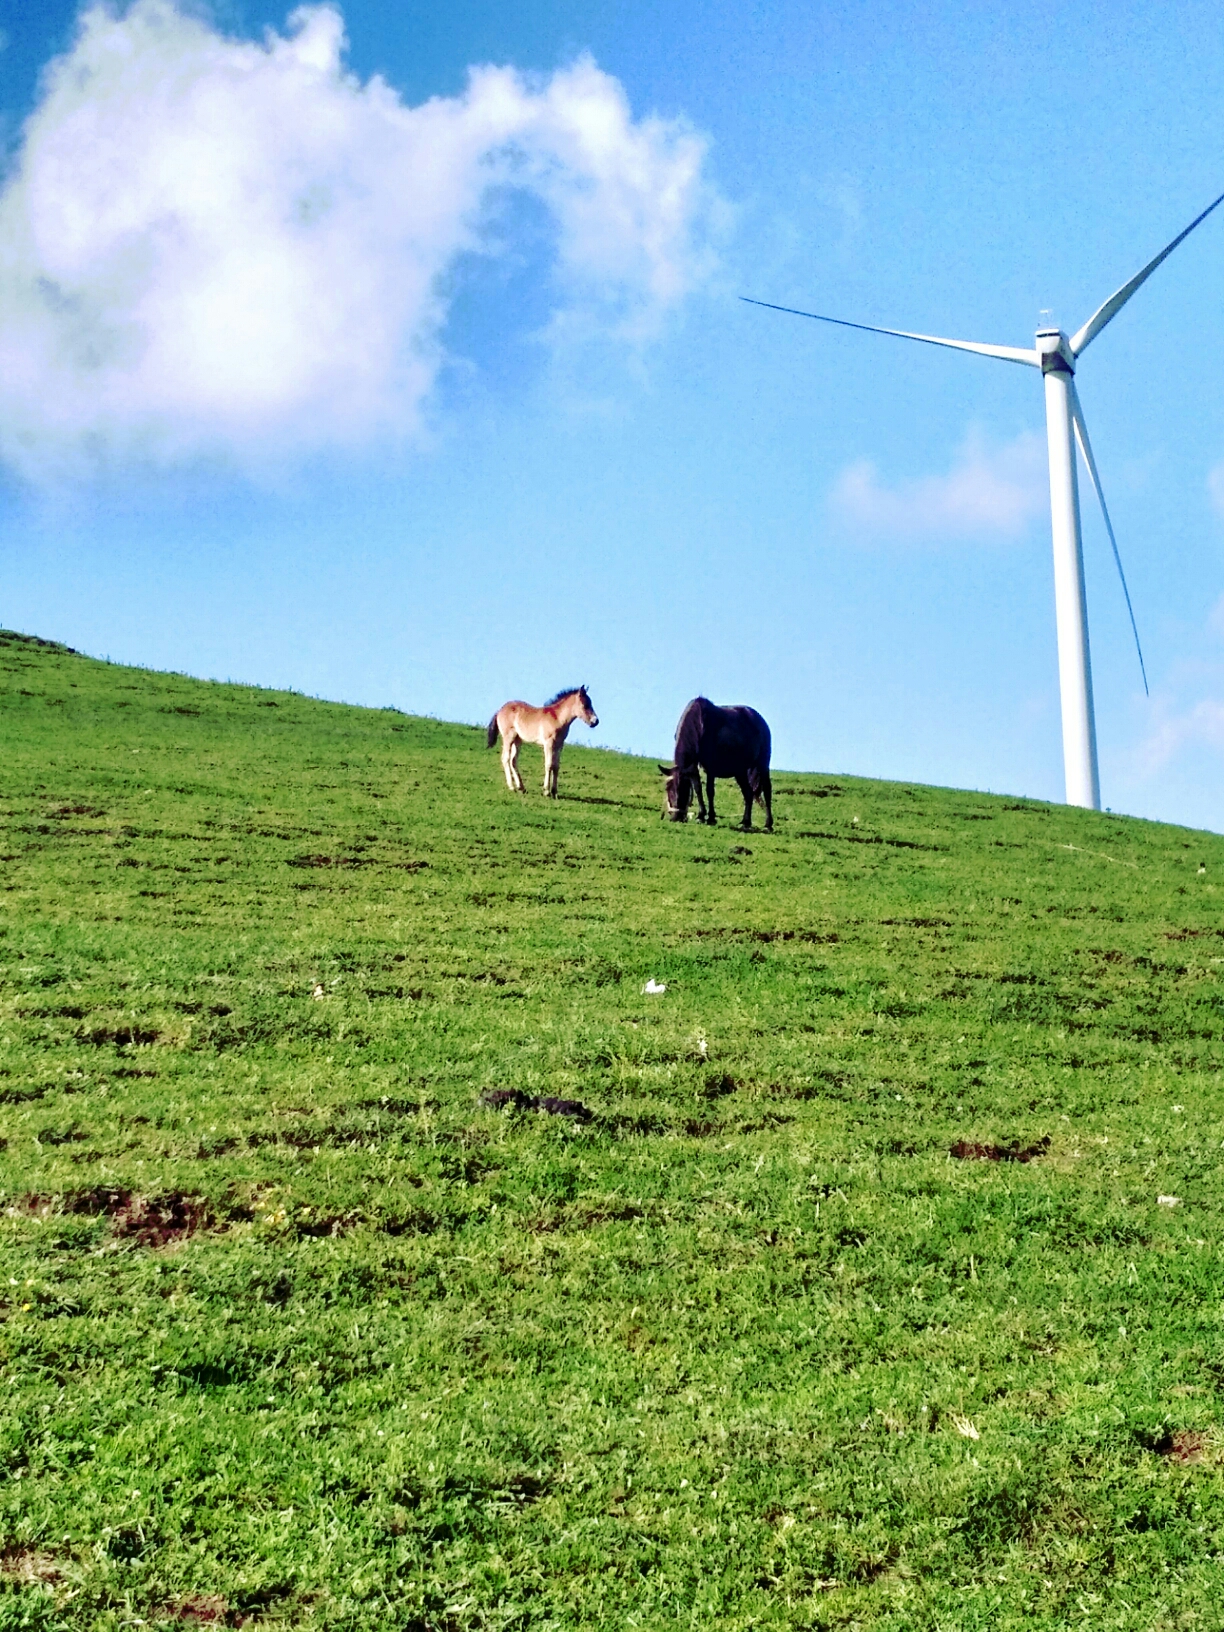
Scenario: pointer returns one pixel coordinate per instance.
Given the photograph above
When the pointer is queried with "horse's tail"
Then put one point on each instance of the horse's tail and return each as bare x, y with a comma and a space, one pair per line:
493, 732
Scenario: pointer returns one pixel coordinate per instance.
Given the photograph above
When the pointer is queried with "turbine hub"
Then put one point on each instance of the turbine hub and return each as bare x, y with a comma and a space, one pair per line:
1054, 349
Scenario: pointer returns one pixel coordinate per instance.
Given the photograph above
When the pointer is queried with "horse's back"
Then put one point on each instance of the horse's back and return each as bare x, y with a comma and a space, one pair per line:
733, 739
514, 715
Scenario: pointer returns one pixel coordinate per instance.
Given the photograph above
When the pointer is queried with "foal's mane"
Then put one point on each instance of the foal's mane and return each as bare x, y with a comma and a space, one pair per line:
566, 691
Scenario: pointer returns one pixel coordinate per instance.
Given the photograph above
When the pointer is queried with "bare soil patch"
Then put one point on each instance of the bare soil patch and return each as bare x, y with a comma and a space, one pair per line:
499, 1099
30, 1567
145, 1221
965, 1151
1184, 1446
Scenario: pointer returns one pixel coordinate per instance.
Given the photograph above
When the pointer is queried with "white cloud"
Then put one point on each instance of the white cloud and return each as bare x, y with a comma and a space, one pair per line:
1184, 715
1199, 726
215, 246
990, 491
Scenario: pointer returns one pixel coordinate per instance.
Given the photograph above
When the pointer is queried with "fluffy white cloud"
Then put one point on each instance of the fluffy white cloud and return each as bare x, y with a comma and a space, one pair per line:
211, 245
990, 491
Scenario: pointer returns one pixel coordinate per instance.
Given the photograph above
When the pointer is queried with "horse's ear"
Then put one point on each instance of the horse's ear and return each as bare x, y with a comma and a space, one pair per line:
666, 770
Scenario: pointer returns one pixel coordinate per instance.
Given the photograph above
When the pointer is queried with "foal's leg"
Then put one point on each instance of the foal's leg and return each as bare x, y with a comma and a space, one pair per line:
550, 767
510, 748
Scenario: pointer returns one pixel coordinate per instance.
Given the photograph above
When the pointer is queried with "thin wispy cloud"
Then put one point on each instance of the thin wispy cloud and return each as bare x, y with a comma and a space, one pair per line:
1201, 726
213, 246
993, 490
1188, 710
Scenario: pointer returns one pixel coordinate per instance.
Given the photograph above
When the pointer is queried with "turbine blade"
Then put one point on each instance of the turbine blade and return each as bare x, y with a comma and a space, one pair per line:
1009, 354
1081, 433
1111, 308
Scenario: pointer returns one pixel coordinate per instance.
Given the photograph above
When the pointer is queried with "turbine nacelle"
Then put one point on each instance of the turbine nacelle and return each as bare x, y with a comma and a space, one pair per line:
1054, 352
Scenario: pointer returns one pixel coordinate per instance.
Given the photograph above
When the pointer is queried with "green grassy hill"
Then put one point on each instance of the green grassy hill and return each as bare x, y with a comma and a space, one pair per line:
298, 1332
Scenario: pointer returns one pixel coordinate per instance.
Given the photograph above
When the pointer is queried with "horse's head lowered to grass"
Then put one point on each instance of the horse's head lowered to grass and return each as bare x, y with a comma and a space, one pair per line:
678, 790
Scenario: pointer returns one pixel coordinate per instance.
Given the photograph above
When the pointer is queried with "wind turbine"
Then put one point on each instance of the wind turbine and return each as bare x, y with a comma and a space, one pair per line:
1056, 356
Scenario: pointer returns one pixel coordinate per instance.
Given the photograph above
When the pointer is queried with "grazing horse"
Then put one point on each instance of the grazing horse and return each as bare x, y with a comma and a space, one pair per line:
721, 742
549, 726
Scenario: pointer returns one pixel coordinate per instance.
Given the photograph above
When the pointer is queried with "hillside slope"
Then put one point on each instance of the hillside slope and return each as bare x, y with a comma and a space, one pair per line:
298, 1331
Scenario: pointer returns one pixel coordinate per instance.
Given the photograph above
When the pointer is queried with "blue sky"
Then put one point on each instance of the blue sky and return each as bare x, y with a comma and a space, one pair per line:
437, 402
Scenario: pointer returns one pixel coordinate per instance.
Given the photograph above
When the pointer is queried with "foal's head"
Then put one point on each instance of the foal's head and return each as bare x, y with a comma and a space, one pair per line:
585, 708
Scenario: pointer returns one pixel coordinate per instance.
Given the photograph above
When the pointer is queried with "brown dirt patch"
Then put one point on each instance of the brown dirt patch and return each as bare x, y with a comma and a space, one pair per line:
964, 1151
1185, 1446
146, 1221
204, 1609
118, 1036
500, 1098
30, 1567
329, 861
160, 1221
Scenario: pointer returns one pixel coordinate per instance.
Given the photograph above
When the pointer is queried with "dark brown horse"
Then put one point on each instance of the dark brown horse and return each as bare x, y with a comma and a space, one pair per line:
721, 742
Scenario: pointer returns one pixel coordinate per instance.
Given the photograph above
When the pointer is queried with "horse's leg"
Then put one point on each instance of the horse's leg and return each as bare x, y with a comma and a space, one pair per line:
745, 787
701, 805
711, 818
556, 764
767, 792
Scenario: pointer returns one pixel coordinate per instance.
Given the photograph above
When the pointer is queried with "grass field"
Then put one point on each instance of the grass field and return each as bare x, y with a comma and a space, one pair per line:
298, 1332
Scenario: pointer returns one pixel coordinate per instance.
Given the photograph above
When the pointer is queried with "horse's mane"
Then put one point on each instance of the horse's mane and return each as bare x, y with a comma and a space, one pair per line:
566, 691
688, 732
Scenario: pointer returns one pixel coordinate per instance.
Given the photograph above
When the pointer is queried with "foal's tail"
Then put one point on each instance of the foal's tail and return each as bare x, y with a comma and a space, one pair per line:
493, 732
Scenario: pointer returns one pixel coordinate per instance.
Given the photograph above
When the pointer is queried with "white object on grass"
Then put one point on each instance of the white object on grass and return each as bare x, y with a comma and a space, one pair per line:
654, 987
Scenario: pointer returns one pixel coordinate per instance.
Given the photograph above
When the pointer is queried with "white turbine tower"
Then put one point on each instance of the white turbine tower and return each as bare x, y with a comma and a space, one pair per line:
1056, 356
